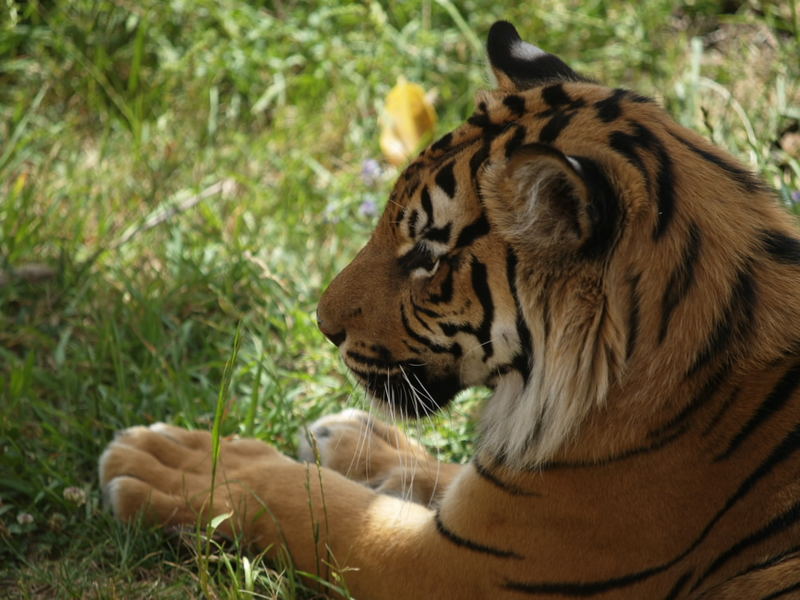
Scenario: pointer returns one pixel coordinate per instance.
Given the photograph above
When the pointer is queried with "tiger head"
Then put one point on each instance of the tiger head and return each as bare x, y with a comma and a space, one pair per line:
569, 246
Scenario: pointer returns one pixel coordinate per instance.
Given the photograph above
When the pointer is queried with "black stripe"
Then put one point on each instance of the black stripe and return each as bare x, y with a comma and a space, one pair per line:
438, 234
446, 180
443, 143
723, 410
499, 371
478, 228
776, 526
366, 376
624, 455
638, 98
781, 247
784, 450
665, 186
553, 128
522, 361
782, 592
445, 293
478, 158
439, 156
481, 119
427, 206
508, 488
412, 223
773, 403
490, 132
418, 317
425, 311
470, 545
480, 286
744, 178
628, 145
516, 104
411, 170
489, 128
622, 143
633, 314
733, 325
679, 585
544, 302
603, 208
454, 349
555, 96
703, 397
609, 109
412, 348
680, 280
419, 257
371, 361
516, 140
584, 588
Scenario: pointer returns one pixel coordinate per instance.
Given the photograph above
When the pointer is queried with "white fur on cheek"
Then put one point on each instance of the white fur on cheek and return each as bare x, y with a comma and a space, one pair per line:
500, 415
527, 422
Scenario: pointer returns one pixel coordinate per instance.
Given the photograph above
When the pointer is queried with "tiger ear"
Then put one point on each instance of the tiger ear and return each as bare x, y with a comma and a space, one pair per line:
543, 198
518, 65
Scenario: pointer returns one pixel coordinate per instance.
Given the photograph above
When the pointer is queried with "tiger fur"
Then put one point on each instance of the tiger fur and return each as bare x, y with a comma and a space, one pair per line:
632, 296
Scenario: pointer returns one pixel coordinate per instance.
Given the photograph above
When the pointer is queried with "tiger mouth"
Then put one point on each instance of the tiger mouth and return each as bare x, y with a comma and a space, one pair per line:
410, 389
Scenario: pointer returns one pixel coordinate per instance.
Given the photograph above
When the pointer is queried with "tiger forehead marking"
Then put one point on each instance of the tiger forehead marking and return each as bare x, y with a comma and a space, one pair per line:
433, 213
503, 123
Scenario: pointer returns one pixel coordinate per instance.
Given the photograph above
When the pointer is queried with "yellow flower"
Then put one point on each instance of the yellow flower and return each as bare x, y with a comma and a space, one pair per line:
408, 121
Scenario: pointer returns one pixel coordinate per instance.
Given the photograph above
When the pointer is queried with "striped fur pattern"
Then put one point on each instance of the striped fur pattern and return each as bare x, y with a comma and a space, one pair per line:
632, 296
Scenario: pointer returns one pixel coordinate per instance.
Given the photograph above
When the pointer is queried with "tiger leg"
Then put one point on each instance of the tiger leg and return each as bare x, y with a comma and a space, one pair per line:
376, 454
327, 522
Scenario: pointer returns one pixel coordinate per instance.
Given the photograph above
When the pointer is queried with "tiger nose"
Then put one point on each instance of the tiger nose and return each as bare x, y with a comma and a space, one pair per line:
337, 337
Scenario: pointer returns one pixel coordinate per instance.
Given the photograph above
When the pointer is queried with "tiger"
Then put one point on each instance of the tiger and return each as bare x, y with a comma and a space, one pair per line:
630, 295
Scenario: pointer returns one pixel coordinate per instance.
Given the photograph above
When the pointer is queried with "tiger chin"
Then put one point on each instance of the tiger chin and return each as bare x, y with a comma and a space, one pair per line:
630, 293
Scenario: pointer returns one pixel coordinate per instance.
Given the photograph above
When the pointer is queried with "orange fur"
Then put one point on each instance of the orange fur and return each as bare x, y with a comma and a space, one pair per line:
632, 296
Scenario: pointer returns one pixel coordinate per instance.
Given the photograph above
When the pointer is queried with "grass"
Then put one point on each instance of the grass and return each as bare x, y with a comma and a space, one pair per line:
171, 171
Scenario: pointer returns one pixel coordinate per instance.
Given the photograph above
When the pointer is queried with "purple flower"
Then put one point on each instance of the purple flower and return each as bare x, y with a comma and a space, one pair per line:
795, 196
368, 208
370, 171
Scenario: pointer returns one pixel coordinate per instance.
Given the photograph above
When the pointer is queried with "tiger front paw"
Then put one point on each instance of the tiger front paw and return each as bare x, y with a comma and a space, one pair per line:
164, 473
376, 454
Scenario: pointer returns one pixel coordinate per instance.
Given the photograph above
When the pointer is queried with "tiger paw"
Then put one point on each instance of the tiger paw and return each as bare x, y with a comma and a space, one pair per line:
164, 473
376, 454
